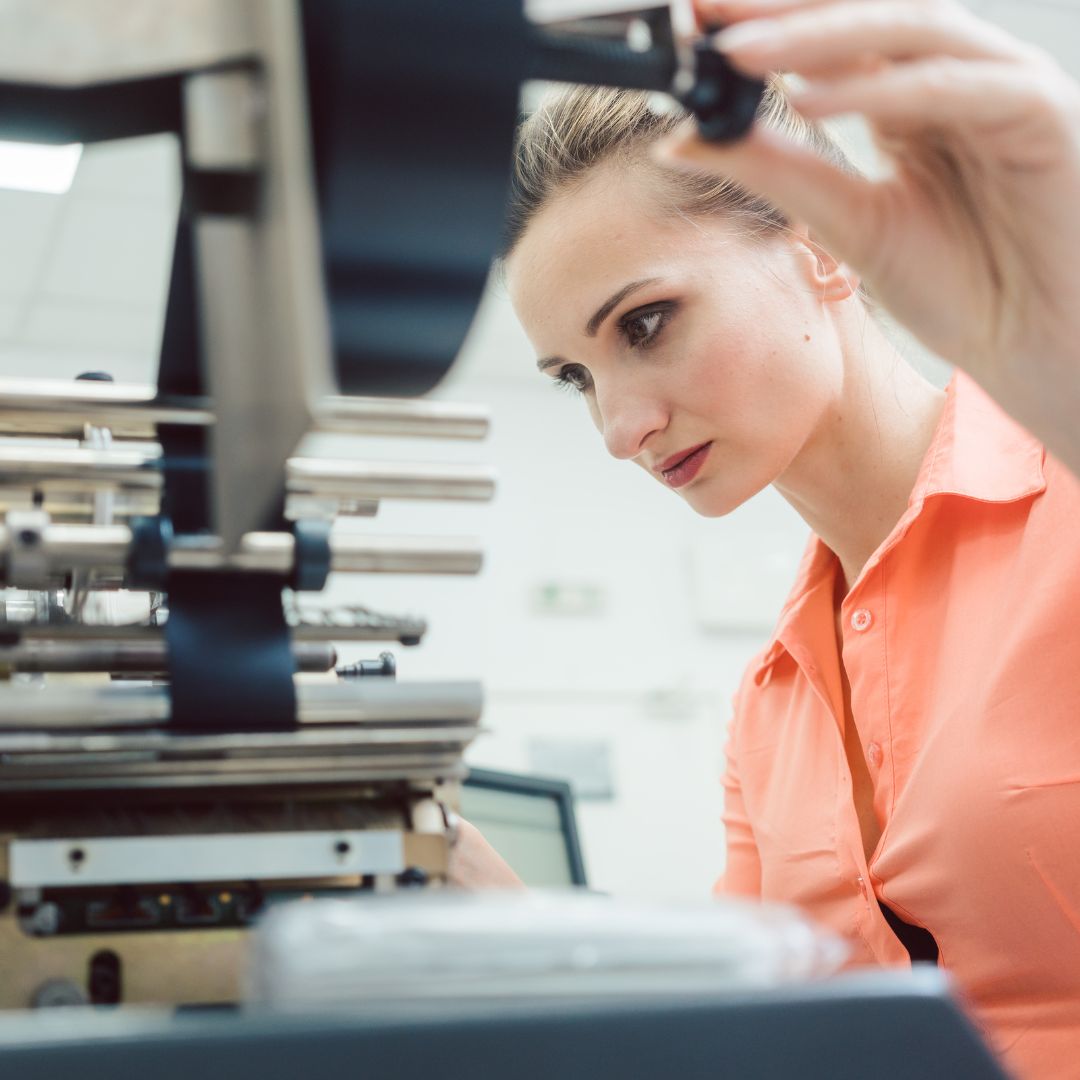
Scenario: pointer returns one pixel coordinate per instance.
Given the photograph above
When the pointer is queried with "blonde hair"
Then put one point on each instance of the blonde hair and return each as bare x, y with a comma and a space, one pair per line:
578, 128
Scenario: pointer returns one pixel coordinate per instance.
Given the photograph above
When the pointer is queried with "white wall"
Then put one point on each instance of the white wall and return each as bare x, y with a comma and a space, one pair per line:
674, 606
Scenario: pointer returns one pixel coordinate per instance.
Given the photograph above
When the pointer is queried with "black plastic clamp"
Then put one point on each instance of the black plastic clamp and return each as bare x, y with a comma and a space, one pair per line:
148, 557
311, 562
724, 100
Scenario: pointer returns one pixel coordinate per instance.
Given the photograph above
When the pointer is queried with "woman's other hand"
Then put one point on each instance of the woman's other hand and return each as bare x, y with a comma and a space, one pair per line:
973, 241
475, 864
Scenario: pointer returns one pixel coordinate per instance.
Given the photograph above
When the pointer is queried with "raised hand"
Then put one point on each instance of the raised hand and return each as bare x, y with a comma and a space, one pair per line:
973, 240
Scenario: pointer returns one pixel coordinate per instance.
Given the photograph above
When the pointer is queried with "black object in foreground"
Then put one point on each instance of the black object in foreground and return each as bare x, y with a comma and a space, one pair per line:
899, 1026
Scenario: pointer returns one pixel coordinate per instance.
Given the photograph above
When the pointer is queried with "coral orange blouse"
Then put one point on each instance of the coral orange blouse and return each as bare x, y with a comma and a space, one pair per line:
961, 641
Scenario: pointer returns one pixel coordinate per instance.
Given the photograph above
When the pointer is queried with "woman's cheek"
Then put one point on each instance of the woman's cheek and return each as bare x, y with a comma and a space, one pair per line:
724, 380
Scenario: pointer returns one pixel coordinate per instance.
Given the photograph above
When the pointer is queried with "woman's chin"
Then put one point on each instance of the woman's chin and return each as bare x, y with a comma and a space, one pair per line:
709, 498
709, 505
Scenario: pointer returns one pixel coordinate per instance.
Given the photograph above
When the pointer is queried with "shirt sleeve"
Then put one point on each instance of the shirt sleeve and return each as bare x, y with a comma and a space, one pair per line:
742, 871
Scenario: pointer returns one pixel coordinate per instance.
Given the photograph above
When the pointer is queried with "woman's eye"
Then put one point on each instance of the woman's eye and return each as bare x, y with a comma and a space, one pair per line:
641, 328
573, 377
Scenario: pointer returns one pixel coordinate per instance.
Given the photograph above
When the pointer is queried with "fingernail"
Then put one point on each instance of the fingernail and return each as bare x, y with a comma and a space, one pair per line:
760, 33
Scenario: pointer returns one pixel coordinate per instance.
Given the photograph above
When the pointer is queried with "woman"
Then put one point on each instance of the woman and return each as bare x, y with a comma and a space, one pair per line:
904, 758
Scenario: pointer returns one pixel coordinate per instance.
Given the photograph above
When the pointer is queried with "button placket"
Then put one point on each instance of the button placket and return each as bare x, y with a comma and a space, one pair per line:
864, 649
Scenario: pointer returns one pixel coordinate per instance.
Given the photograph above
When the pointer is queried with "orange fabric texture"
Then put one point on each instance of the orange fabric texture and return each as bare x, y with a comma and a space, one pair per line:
961, 641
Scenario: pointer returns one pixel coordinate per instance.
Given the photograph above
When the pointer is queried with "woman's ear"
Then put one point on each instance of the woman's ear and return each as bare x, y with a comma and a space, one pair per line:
832, 281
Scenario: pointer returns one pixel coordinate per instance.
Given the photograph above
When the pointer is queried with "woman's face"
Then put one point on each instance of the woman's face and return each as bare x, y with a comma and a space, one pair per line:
708, 359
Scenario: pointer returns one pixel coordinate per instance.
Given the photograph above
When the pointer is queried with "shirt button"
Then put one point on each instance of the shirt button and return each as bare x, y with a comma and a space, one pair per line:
874, 754
861, 620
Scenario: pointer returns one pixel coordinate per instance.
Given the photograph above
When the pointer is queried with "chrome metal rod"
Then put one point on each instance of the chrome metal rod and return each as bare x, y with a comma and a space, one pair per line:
79, 468
362, 701
422, 767
388, 701
276, 749
129, 410
85, 469
77, 507
43, 407
404, 417
133, 656
81, 546
335, 624
273, 553
105, 547
345, 479
23, 707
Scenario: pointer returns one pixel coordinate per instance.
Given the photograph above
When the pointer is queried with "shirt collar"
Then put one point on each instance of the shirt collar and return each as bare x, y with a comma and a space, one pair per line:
977, 452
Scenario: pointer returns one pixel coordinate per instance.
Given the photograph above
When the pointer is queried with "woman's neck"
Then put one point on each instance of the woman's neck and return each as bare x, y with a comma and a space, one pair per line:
852, 479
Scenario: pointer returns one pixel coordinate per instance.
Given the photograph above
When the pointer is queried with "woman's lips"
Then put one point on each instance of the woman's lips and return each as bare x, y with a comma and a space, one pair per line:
685, 470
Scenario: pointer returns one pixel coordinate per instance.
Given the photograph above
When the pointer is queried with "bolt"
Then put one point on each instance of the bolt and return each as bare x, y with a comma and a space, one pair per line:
104, 978
43, 921
412, 877
54, 993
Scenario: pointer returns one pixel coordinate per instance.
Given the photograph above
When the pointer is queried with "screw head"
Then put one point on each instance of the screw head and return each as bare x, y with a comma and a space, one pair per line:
54, 993
412, 877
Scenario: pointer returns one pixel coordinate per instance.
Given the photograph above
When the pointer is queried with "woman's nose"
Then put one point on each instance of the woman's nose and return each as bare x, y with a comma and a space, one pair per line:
627, 420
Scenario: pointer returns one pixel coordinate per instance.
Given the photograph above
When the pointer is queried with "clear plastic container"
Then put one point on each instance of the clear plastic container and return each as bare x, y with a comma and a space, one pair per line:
444, 945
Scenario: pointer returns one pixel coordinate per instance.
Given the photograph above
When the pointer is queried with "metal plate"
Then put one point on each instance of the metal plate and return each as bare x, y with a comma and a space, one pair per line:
225, 857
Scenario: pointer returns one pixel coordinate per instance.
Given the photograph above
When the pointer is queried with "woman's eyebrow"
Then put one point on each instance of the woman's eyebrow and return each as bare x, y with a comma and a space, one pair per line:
601, 313
606, 308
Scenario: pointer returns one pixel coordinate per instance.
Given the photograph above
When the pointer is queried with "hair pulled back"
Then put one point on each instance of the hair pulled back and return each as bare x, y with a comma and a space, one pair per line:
578, 128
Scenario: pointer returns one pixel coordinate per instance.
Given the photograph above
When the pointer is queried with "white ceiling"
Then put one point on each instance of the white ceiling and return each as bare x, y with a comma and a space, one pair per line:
83, 275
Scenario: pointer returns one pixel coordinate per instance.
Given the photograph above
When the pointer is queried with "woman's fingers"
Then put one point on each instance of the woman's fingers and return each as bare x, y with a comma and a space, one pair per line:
992, 100
1018, 116
714, 14
839, 208
838, 36
933, 93
725, 11
729, 11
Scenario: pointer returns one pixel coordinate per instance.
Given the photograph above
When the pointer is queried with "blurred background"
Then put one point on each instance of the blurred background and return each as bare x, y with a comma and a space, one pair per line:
610, 625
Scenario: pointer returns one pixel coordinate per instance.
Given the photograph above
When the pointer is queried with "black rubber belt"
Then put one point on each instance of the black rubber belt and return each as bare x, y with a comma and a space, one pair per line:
230, 659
